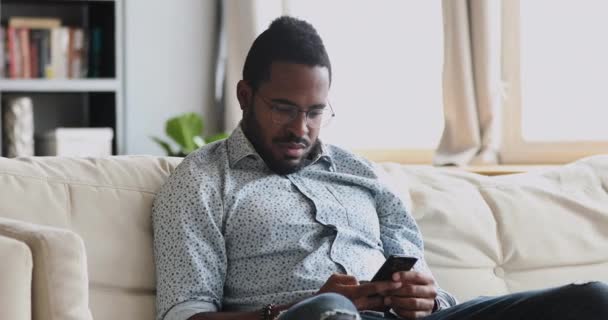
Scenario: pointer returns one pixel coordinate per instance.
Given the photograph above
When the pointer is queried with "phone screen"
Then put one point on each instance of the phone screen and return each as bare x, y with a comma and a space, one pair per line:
393, 264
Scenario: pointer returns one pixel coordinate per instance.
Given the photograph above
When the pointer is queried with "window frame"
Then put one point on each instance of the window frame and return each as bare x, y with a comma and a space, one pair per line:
398, 155
514, 149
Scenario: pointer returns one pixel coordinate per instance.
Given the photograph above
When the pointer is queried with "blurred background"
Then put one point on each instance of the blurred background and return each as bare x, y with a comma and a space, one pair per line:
471, 82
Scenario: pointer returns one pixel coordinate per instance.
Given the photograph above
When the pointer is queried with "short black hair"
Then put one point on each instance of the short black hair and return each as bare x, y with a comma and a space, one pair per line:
286, 40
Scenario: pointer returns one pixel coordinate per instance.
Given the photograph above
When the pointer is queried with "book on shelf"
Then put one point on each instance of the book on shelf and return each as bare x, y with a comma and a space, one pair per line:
24, 44
35, 49
44, 55
60, 39
3, 50
44, 48
95, 54
34, 23
77, 54
14, 53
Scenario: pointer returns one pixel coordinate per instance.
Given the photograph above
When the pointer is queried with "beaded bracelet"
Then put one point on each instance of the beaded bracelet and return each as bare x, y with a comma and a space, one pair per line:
267, 312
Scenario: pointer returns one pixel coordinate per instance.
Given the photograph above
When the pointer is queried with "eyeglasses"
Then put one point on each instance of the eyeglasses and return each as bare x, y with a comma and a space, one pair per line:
283, 113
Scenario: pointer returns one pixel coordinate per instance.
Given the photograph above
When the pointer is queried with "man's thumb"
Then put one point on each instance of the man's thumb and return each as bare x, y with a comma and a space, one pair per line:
344, 279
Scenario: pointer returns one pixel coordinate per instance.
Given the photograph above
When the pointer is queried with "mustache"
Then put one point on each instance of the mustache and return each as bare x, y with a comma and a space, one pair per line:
293, 139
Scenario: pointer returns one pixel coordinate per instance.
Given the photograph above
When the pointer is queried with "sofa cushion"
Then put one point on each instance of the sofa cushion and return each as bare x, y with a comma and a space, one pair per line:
458, 226
60, 288
15, 280
553, 226
495, 235
107, 202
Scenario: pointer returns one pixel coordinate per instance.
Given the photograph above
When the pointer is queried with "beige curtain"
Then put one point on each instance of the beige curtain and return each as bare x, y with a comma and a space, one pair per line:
472, 88
243, 21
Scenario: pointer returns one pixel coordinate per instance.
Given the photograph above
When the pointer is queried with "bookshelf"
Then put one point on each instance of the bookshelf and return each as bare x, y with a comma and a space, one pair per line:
84, 85
90, 93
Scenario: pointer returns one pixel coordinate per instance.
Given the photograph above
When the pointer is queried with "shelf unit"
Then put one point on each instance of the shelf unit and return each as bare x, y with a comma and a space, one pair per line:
67, 85
84, 102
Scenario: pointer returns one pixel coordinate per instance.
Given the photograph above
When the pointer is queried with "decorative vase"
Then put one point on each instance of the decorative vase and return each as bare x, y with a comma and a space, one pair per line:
19, 127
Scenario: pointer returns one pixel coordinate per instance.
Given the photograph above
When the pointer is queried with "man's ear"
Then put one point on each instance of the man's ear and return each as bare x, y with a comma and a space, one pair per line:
244, 93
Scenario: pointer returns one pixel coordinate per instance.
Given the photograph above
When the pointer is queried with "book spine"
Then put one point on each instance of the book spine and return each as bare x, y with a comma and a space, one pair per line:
45, 54
34, 52
37, 51
95, 53
3, 55
24, 40
70, 52
13, 53
77, 51
84, 54
59, 52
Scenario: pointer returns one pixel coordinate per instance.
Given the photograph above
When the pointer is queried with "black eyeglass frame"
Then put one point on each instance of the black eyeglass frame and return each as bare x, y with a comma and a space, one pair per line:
273, 108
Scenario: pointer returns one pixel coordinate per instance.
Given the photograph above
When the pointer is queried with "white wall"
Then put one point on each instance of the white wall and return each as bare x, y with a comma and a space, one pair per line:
169, 48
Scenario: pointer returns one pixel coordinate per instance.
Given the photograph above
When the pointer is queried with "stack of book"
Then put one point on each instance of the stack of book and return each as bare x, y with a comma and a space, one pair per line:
43, 48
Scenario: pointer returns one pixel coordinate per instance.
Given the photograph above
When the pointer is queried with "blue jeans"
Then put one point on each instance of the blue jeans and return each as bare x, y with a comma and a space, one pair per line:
587, 301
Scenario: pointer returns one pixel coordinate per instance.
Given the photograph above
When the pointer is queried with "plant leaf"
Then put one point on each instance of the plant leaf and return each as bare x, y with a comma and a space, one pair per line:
182, 129
199, 141
165, 145
216, 137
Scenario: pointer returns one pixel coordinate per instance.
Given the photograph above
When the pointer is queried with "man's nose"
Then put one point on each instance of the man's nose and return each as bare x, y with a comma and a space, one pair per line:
299, 126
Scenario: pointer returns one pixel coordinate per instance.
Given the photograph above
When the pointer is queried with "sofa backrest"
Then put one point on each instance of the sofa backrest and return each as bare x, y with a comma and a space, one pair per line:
483, 235
107, 202
496, 235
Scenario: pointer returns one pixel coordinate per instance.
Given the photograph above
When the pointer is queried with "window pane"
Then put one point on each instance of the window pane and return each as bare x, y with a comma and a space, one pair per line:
564, 63
386, 58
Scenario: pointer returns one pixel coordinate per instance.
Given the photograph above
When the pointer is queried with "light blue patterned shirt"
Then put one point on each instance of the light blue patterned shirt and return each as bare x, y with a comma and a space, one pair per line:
231, 235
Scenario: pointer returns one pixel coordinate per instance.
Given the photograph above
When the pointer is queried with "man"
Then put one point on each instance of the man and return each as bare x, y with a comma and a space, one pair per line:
273, 223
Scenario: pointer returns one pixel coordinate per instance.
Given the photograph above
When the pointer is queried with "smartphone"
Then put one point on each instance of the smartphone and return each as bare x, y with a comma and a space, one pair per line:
394, 263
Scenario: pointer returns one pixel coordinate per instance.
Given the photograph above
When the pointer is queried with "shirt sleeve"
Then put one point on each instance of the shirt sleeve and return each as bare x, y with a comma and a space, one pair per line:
400, 234
189, 250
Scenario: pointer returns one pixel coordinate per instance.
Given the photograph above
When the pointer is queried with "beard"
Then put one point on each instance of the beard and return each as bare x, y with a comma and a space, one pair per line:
253, 130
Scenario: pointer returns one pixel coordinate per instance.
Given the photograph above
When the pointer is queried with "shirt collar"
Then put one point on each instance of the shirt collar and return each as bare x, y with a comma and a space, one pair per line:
239, 147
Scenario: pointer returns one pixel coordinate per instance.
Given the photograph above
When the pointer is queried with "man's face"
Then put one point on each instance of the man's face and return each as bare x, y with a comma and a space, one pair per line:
284, 146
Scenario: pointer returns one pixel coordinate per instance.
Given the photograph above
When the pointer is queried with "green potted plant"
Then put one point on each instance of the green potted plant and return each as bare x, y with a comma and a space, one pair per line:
185, 130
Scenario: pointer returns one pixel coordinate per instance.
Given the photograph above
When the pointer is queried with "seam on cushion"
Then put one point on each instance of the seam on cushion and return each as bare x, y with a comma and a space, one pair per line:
75, 182
68, 204
604, 261
499, 228
446, 266
47, 290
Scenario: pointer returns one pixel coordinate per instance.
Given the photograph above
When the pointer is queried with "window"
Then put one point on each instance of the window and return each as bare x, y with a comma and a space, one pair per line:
555, 64
387, 66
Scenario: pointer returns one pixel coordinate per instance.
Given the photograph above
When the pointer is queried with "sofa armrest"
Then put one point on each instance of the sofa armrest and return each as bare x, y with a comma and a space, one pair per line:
60, 288
15, 280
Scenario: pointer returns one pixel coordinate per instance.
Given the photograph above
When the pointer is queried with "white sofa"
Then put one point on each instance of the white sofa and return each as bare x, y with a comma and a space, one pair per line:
78, 231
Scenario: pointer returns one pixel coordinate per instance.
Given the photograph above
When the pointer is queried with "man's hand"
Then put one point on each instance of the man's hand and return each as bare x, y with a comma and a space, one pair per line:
366, 296
416, 297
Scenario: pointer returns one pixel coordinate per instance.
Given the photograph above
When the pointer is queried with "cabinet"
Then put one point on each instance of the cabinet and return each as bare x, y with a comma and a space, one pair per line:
94, 98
